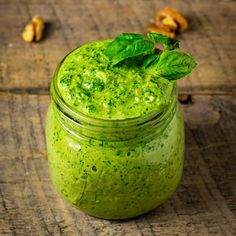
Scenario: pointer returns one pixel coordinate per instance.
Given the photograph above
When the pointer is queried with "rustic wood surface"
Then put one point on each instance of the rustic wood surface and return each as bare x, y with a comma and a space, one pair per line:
205, 202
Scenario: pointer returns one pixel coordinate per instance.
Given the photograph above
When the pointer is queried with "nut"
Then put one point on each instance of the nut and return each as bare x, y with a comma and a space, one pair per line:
170, 23
28, 33
33, 31
164, 16
165, 27
38, 26
160, 30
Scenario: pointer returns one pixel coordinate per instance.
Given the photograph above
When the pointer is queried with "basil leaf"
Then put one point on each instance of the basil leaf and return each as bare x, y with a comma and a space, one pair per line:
167, 42
150, 59
131, 36
173, 65
128, 45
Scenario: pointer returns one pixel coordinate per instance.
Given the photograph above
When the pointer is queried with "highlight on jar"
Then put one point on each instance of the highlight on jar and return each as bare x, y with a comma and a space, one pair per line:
114, 130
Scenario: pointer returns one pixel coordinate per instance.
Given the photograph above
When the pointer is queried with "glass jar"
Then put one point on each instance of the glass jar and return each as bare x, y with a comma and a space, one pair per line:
114, 169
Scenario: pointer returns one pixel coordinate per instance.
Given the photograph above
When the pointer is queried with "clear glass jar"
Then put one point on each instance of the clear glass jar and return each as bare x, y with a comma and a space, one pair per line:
114, 169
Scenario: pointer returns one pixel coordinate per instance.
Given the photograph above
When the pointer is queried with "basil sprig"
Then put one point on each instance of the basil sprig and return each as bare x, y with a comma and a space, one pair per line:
128, 45
167, 42
171, 63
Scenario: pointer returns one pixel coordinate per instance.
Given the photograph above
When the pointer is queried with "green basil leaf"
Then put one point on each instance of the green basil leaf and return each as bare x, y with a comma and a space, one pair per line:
150, 59
128, 45
167, 42
173, 65
132, 36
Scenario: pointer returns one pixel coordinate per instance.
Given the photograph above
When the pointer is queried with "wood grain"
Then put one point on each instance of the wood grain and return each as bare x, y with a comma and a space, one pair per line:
210, 38
205, 203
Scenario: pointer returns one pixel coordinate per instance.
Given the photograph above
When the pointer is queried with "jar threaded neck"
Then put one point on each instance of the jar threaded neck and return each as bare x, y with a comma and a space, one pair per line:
86, 127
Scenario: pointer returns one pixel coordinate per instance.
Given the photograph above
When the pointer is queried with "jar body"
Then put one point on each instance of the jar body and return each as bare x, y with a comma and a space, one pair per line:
119, 180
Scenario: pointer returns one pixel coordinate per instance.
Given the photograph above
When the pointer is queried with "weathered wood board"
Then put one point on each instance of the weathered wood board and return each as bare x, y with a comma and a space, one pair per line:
205, 203
210, 38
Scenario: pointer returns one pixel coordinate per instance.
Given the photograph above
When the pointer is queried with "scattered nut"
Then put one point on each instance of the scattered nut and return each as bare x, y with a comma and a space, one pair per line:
160, 30
33, 31
168, 22
169, 12
38, 26
28, 33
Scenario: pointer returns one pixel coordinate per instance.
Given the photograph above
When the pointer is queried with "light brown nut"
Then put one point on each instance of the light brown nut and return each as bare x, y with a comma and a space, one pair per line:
166, 28
38, 27
28, 33
159, 30
170, 23
175, 15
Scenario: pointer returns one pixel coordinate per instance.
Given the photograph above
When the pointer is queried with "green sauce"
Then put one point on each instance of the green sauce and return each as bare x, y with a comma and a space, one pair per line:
113, 180
91, 86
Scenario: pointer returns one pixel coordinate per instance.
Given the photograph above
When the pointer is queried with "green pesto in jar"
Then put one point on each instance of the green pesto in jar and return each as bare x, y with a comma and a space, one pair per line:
112, 180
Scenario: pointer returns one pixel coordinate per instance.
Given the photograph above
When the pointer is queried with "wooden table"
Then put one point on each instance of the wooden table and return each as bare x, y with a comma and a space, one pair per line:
205, 202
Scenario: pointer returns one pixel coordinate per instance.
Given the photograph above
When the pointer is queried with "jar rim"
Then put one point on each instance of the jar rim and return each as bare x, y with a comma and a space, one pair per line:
80, 117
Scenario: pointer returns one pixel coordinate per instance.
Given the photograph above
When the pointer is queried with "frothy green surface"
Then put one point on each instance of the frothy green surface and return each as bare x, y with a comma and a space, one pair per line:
91, 86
